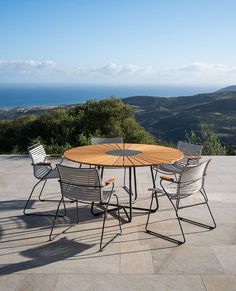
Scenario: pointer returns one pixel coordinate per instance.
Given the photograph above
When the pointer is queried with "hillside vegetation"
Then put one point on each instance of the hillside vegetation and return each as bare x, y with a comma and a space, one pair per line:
170, 118
62, 128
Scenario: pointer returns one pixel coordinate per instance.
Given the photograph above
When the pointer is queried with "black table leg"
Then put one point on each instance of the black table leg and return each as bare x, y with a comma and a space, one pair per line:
135, 185
130, 194
154, 185
129, 190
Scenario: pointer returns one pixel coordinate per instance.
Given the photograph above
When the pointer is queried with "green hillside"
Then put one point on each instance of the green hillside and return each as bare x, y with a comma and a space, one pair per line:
170, 118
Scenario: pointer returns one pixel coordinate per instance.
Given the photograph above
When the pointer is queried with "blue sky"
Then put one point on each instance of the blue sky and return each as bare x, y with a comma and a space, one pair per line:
178, 42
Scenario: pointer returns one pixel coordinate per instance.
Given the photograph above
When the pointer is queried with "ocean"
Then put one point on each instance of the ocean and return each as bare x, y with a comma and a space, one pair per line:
45, 95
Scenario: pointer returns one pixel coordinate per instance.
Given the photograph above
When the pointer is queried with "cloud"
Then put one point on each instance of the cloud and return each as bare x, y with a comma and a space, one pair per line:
25, 67
199, 73
31, 70
47, 70
205, 68
118, 69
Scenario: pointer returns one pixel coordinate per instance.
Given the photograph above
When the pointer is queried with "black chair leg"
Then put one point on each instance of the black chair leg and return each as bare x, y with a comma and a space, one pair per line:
55, 217
103, 226
27, 202
77, 212
42, 190
178, 242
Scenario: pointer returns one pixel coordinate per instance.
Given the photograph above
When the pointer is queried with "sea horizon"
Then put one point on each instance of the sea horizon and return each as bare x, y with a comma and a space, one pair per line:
29, 95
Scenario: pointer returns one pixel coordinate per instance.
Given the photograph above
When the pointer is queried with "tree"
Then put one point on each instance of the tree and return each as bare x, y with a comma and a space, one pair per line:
111, 117
209, 140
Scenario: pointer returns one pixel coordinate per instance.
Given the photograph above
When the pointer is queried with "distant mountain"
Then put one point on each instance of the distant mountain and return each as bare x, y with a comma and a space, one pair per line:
228, 89
169, 118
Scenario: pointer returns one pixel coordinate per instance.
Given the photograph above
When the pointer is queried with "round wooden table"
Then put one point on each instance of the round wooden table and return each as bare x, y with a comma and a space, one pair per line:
125, 155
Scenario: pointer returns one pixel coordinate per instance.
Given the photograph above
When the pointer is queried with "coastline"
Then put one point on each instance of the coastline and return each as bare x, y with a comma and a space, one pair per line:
13, 96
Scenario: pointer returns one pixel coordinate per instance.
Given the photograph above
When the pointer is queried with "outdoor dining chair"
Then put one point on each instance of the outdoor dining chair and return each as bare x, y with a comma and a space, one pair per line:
192, 155
190, 182
42, 168
84, 185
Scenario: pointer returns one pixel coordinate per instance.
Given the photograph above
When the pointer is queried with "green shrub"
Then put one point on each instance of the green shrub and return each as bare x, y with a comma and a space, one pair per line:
209, 140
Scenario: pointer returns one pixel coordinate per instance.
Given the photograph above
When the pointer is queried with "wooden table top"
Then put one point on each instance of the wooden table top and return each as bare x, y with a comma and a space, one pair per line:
123, 155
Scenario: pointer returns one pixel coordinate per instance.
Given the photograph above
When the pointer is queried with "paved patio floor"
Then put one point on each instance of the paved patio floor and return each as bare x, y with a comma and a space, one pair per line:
133, 261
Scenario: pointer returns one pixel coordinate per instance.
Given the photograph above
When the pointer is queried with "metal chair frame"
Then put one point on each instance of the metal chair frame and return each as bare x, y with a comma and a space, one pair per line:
71, 182
43, 171
183, 185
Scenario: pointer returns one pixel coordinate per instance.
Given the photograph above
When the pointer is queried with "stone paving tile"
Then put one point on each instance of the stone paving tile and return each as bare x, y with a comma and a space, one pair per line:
28, 282
136, 260
219, 283
186, 260
223, 234
226, 255
226, 215
129, 282
132, 253
227, 179
222, 199
11, 282
38, 282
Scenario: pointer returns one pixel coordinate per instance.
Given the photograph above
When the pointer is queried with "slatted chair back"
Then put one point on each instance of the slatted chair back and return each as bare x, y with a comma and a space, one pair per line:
37, 154
103, 140
191, 179
80, 183
189, 149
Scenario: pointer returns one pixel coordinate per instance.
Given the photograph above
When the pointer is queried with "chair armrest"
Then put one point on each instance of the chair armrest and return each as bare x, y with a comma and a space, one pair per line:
42, 164
167, 179
55, 155
191, 158
107, 182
